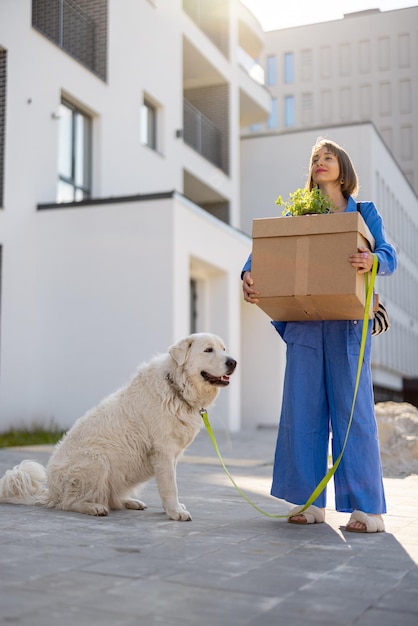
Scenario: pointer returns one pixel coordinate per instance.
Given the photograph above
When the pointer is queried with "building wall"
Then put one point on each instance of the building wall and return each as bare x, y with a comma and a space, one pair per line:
137, 66
359, 68
90, 290
107, 286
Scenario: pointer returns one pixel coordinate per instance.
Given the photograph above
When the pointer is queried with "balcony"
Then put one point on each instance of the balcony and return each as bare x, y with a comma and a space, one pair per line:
202, 135
82, 33
250, 33
251, 66
213, 19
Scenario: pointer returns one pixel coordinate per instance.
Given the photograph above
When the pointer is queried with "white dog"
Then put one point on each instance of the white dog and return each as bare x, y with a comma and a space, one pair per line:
134, 434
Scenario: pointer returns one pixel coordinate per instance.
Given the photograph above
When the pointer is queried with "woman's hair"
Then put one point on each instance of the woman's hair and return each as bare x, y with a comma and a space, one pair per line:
348, 175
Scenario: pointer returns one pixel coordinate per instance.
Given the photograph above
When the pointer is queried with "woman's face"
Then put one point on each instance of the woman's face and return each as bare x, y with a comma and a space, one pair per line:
325, 167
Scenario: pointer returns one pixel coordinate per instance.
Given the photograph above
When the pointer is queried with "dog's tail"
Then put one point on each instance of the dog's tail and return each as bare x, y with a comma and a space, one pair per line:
26, 483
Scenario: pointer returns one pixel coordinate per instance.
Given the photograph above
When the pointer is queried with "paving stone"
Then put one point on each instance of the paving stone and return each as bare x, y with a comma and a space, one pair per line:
230, 566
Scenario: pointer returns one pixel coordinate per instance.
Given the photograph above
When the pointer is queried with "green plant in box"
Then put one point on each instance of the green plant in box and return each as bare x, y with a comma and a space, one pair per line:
305, 202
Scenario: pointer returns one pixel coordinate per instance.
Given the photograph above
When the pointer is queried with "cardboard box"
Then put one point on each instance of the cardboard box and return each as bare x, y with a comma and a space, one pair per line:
300, 266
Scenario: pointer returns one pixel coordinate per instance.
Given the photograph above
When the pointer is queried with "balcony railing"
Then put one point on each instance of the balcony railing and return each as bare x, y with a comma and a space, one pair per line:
202, 135
70, 28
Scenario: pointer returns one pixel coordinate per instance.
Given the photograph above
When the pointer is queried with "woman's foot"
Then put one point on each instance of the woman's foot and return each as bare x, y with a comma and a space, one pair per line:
360, 522
312, 515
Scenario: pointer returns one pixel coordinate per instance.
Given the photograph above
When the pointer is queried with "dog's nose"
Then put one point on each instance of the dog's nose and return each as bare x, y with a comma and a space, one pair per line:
231, 364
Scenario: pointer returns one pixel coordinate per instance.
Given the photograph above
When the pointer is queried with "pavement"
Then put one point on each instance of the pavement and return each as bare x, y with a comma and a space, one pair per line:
230, 566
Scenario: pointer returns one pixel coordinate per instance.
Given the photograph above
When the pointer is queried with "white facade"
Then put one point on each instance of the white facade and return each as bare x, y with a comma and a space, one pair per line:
360, 68
90, 290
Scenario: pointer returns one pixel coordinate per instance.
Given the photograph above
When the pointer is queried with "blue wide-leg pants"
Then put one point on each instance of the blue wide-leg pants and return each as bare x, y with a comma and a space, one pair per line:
321, 369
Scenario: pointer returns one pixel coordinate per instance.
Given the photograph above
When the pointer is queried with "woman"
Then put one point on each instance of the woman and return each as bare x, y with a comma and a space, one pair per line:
324, 355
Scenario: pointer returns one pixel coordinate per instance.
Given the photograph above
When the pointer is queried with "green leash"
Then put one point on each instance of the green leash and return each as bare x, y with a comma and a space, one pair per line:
323, 483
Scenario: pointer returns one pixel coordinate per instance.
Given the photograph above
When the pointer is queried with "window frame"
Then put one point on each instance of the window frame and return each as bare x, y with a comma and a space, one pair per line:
149, 123
273, 120
289, 68
271, 70
81, 190
289, 111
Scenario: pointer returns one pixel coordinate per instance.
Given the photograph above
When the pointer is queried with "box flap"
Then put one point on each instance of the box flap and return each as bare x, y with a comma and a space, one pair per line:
312, 225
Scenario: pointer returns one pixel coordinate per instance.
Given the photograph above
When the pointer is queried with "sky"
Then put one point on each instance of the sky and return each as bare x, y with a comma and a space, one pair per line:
274, 14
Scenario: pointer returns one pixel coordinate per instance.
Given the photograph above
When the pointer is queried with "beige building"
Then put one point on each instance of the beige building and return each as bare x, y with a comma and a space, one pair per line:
360, 68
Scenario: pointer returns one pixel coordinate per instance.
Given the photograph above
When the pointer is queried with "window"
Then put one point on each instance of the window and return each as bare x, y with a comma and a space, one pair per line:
346, 109
307, 101
289, 67
326, 62
406, 143
271, 69
345, 59
306, 65
385, 98
365, 102
289, 111
326, 106
404, 50
149, 124
273, 120
307, 108
364, 57
384, 53
405, 96
74, 154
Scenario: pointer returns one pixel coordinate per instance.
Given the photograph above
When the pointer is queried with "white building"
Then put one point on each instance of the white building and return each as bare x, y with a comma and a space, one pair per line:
119, 162
123, 223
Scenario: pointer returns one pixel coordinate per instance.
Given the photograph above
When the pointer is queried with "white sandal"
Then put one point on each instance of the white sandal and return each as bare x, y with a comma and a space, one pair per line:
373, 523
312, 515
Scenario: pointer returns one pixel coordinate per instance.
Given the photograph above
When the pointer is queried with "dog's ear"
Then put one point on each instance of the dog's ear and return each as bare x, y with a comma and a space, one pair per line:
180, 351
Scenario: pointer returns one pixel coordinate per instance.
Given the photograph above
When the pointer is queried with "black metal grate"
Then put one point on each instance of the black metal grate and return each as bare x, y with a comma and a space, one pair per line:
3, 85
201, 134
77, 26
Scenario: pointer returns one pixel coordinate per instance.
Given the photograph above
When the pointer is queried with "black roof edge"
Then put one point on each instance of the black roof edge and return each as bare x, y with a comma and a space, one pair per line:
112, 200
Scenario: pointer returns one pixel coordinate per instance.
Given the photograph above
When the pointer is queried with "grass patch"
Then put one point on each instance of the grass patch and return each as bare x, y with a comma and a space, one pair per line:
30, 436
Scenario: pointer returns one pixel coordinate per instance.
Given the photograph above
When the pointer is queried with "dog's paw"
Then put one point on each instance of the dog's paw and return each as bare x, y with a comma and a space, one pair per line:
180, 515
97, 509
133, 503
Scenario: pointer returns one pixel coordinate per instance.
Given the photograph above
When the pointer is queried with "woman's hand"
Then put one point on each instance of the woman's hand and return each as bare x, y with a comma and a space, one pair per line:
250, 294
362, 260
